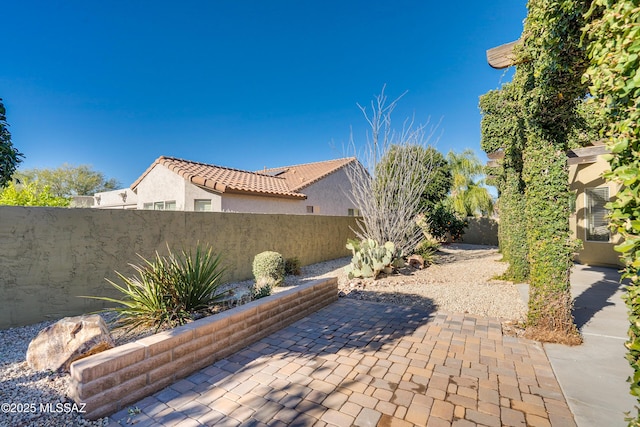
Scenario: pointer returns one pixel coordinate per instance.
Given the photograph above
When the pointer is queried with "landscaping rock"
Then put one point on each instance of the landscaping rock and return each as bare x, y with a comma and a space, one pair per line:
416, 261
69, 339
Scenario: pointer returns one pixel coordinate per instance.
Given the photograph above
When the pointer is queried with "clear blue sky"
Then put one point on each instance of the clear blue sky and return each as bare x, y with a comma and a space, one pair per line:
238, 83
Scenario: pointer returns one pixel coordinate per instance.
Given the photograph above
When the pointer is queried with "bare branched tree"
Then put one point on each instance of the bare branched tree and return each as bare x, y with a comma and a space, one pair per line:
394, 169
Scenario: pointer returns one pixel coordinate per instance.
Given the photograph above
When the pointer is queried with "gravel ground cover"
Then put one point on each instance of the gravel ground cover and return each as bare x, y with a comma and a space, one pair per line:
461, 281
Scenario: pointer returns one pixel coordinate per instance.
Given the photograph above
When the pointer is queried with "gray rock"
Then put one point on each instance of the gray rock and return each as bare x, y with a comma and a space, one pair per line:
69, 339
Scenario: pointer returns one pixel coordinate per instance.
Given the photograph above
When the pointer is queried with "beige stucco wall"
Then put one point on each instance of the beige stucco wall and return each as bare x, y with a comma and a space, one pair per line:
124, 198
330, 193
261, 204
193, 193
51, 256
161, 185
590, 176
481, 231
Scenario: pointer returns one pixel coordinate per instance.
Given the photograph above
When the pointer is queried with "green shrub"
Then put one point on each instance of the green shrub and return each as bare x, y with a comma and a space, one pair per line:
370, 259
292, 267
443, 222
268, 268
168, 290
258, 292
427, 250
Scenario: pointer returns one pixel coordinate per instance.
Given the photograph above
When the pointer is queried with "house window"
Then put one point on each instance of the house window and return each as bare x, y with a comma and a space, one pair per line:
160, 206
309, 209
202, 205
353, 212
597, 224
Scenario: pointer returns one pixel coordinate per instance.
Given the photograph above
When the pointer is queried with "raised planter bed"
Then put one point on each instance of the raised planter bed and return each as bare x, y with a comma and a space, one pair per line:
109, 381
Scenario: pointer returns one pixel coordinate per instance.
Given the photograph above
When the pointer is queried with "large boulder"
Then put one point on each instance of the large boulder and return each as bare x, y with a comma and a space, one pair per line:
72, 338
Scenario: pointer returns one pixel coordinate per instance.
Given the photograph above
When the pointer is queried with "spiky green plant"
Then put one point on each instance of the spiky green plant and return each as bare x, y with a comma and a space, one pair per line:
168, 290
427, 250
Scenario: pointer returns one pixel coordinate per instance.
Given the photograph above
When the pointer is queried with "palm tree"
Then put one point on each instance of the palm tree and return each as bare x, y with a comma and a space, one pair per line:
469, 196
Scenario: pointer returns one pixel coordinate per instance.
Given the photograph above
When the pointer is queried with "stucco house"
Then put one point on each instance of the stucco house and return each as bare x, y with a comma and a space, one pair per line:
313, 188
116, 199
589, 220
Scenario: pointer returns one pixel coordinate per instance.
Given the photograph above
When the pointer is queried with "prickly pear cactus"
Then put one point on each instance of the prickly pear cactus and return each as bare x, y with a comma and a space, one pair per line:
370, 259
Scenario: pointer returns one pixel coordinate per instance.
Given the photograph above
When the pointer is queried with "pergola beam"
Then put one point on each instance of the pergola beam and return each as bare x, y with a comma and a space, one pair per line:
575, 156
502, 56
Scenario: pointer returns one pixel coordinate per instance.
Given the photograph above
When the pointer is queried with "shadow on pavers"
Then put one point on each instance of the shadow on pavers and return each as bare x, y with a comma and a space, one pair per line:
316, 342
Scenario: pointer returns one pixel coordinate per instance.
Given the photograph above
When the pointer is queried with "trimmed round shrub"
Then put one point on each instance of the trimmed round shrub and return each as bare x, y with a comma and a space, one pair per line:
268, 269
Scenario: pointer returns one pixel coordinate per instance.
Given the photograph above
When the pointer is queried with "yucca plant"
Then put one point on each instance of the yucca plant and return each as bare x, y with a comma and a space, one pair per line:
168, 290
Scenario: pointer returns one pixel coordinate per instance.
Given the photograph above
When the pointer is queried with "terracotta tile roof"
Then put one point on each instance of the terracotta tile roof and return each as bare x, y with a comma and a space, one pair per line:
280, 182
301, 176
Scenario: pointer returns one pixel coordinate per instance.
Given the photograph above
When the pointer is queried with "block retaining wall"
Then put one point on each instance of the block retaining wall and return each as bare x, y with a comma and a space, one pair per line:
109, 381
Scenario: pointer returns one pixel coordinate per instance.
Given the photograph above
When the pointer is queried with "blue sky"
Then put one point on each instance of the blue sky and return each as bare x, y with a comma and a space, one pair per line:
239, 83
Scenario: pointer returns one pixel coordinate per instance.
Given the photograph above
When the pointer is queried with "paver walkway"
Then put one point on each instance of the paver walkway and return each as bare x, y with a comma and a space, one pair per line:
367, 364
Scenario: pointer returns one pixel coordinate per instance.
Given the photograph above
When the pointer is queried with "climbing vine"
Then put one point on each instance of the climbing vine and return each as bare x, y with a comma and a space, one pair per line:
613, 37
534, 120
553, 62
503, 130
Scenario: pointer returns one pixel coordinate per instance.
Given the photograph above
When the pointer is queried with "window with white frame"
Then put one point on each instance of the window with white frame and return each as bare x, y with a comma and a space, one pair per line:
202, 205
596, 215
353, 212
160, 206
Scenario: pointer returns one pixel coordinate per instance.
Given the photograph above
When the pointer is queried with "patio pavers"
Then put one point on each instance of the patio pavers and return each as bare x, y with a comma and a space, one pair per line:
366, 364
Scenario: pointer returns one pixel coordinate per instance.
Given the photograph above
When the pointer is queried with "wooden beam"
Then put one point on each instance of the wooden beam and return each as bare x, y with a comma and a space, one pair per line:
594, 150
582, 160
502, 56
575, 156
496, 155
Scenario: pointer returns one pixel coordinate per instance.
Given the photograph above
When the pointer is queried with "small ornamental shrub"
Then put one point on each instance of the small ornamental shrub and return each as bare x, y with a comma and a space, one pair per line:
292, 267
427, 250
261, 292
169, 290
443, 222
370, 259
268, 269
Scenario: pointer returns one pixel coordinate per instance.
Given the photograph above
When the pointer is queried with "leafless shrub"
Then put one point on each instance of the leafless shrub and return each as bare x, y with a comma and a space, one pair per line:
394, 169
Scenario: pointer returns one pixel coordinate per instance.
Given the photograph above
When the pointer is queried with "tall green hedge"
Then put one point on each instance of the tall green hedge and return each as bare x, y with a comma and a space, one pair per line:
552, 63
534, 120
502, 129
613, 34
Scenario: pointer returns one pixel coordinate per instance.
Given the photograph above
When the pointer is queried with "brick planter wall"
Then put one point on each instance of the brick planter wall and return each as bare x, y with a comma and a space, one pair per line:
109, 381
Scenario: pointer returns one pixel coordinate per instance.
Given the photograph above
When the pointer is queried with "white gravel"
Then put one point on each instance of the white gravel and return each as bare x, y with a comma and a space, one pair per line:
460, 281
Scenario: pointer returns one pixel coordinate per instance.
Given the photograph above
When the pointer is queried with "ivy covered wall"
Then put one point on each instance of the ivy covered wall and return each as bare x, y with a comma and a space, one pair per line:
613, 34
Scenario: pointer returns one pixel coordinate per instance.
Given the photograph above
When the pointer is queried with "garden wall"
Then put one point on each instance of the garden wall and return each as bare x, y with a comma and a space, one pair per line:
109, 381
49, 257
481, 231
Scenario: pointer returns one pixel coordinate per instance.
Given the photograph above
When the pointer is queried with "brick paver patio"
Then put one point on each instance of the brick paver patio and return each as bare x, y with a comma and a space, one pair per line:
369, 364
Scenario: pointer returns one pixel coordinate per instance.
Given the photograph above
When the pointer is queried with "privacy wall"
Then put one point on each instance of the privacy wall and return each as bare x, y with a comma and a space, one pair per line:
481, 231
49, 257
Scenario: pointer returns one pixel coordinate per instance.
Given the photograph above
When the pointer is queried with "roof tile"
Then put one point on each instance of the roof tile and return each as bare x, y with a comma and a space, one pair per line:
283, 182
